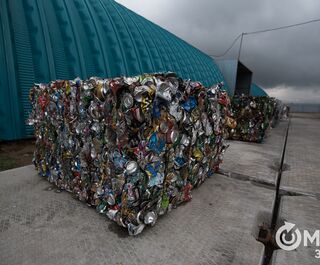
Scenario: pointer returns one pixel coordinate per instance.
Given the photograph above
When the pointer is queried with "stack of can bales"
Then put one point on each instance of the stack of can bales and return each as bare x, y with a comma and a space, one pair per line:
133, 147
253, 116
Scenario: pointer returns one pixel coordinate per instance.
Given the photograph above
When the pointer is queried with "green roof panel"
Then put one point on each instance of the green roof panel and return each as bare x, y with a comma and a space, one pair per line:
257, 91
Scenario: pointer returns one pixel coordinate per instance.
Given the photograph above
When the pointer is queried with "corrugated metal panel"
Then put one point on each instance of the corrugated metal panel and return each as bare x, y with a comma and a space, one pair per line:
61, 39
257, 91
7, 109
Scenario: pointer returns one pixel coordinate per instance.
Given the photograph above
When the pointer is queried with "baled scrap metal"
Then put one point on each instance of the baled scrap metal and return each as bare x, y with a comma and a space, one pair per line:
285, 112
253, 116
282, 110
133, 147
276, 113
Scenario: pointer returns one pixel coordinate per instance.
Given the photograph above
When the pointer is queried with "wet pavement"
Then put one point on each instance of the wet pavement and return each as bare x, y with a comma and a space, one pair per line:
219, 226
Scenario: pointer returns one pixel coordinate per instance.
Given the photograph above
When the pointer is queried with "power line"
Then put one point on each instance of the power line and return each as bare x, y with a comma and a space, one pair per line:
227, 50
283, 27
262, 31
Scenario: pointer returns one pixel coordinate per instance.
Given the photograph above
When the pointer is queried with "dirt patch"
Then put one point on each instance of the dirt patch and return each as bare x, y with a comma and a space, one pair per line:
16, 154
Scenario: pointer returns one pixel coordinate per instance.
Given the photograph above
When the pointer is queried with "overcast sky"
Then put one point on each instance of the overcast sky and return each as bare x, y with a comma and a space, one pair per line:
286, 63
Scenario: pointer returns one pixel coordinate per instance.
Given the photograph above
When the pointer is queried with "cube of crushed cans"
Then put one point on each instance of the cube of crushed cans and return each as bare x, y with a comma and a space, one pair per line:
281, 112
252, 116
132, 147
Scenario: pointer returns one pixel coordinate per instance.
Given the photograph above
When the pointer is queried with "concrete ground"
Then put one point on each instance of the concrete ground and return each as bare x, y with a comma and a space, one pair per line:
304, 212
40, 226
302, 156
257, 162
302, 180
219, 226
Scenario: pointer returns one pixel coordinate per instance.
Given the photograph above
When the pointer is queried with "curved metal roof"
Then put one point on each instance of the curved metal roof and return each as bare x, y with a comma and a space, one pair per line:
257, 91
62, 39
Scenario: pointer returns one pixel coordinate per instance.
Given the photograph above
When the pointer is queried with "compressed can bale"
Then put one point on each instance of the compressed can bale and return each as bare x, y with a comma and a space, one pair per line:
281, 113
133, 147
252, 116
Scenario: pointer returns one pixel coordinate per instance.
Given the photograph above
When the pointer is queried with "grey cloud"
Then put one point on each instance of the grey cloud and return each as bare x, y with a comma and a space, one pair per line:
287, 58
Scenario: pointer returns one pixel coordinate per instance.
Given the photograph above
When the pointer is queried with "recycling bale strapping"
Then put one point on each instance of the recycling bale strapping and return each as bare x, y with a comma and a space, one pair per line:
133, 147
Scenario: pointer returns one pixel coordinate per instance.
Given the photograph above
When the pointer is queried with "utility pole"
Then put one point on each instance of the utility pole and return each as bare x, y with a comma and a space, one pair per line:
239, 53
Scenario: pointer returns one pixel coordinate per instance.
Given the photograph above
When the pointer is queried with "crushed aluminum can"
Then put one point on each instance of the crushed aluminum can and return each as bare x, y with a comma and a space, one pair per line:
150, 218
135, 229
164, 127
112, 214
127, 100
164, 91
172, 136
185, 140
175, 111
137, 114
131, 167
